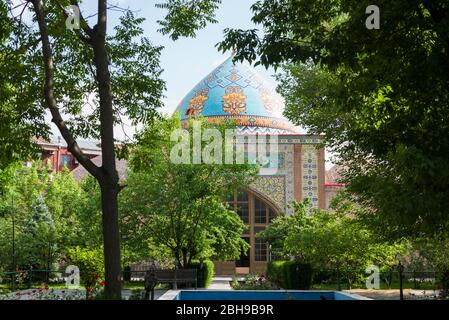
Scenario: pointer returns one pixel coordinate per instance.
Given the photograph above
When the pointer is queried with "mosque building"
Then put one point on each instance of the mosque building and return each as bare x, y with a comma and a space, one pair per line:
237, 92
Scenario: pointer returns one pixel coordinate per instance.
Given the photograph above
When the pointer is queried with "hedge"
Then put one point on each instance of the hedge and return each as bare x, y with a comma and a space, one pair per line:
204, 277
275, 273
290, 274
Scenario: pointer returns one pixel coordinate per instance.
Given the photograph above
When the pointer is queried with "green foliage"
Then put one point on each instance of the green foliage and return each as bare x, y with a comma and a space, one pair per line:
290, 274
297, 275
275, 273
20, 117
380, 96
89, 214
47, 209
93, 78
327, 238
66, 200
430, 254
204, 274
185, 17
38, 240
444, 285
90, 264
179, 207
135, 72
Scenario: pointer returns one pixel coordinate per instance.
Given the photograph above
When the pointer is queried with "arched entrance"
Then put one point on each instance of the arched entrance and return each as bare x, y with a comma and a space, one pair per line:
257, 213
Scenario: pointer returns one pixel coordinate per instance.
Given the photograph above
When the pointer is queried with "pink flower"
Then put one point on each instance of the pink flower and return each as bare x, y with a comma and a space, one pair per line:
102, 283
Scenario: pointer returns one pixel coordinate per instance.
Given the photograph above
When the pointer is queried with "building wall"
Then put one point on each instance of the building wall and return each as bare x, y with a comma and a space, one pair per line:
331, 190
60, 157
300, 175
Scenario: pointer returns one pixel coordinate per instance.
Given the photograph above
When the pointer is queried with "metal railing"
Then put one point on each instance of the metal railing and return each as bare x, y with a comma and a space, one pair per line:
410, 284
32, 279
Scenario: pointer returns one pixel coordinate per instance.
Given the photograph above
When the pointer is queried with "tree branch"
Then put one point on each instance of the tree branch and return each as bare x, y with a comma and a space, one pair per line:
50, 100
83, 23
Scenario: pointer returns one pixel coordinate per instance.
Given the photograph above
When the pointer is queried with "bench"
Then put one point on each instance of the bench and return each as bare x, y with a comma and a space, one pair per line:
173, 277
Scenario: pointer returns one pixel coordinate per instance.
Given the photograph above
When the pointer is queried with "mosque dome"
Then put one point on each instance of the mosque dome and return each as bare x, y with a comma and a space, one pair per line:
237, 92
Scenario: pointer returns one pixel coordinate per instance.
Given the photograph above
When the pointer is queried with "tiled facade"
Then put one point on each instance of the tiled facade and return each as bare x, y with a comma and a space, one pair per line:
299, 174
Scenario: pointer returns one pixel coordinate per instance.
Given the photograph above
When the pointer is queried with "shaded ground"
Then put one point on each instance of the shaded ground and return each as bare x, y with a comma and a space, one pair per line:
409, 294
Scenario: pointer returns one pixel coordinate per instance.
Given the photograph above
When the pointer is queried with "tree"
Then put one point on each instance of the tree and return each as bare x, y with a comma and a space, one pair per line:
91, 266
119, 72
380, 96
20, 121
89, 214
179, 206
38, 237
44, 207
326, 239
67, 200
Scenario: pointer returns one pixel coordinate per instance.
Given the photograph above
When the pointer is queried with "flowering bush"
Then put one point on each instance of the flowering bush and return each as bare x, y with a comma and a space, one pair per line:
90, 263
96, 290
253, 282
45, 294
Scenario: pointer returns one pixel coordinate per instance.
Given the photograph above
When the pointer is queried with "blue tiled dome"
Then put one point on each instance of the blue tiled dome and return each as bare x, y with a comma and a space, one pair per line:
236, 92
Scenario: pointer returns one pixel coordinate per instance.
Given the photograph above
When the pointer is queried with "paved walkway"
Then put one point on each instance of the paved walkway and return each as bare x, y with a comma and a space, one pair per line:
220, 283
409, 294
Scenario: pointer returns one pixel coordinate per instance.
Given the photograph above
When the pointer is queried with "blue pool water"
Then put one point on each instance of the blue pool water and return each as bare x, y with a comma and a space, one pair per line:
259, 295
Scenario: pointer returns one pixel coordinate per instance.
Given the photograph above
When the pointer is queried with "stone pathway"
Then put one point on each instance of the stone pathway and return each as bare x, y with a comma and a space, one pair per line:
220, 283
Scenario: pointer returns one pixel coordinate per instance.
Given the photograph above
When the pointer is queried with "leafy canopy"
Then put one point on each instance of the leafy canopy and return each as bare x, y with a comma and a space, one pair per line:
380, 96
180, 207
327, 238
46, 208
135, 73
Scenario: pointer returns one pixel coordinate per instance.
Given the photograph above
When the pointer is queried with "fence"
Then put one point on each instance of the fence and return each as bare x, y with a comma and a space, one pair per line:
19, 280
32, 279
416, 284
410, 284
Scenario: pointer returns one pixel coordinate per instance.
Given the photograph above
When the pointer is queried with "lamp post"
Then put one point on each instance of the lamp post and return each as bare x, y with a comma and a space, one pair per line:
124, 238
338, 276
12, 238
13, 218
126, 274
270, 257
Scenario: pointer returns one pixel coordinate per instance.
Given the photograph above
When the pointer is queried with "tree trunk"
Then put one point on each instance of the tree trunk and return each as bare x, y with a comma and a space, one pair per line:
106, 175
178, 258
184, 258
111, 241
109, 181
